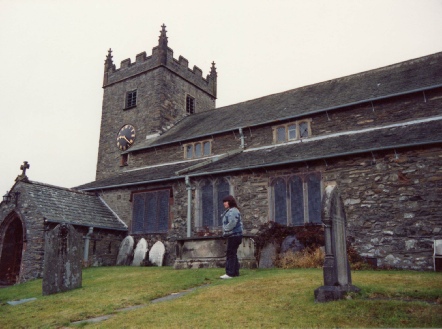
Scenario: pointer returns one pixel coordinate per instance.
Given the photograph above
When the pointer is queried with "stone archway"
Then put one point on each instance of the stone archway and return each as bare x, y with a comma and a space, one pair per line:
11, 233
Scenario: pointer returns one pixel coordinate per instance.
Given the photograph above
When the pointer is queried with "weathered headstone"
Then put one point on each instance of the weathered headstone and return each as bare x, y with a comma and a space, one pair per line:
291, 243
337, 275
140, 252
156, 253
62, 260
125, 253
267, 256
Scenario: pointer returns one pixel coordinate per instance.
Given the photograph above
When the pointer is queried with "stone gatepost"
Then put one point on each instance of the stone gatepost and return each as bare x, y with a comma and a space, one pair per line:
62, 260
337, 275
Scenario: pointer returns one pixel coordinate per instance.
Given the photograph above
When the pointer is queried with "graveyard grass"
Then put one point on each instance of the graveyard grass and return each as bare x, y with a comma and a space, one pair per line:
273, 298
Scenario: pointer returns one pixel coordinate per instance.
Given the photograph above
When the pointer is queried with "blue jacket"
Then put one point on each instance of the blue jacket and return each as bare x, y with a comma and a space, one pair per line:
232, 223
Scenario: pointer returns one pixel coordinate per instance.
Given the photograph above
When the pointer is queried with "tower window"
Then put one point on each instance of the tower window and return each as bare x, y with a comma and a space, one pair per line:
131, 99
190, 104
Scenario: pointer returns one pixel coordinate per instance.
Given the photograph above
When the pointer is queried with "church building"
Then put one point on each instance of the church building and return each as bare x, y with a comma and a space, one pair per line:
167, 156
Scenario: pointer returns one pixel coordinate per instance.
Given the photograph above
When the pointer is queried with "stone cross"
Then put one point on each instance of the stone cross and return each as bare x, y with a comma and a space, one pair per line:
24, 166
337, 275
22, 176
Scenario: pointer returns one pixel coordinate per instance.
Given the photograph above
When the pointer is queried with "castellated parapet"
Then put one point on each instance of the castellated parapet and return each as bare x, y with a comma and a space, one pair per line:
162, 56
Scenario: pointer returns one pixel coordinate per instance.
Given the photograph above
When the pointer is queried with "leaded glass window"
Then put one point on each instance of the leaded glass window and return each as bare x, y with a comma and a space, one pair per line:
189, 151
280, 190
206, 148
150, 212
291, 131
296, 200
303, 129
211, 194
197, 150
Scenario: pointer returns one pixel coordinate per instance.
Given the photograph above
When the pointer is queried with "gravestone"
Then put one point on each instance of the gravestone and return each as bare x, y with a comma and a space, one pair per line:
156, 253
267, 256
291, 243
337, 275
125, 253
140, 252
62, 260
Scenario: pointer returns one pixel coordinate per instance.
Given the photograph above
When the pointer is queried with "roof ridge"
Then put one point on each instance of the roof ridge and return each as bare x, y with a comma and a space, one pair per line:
73, 190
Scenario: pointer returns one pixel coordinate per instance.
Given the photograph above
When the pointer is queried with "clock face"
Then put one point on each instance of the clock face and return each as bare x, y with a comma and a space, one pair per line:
126, 137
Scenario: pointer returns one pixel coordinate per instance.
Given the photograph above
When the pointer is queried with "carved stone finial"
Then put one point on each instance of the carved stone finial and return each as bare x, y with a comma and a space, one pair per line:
162, 41
108, 63
213, 73
22, 176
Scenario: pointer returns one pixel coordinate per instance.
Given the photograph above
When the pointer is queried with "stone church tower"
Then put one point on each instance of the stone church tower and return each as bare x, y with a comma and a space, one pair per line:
143, 99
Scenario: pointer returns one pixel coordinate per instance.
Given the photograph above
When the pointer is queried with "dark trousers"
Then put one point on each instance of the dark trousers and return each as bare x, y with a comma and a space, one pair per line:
232, 263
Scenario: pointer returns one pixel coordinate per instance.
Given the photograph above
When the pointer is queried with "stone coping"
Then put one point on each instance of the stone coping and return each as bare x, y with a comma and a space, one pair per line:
211, 237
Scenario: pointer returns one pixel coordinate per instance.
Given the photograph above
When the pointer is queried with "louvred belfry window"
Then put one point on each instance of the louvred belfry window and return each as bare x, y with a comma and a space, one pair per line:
151, 212
131, 99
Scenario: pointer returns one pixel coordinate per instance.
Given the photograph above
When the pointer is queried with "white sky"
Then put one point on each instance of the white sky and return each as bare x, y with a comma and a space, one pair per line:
52, 55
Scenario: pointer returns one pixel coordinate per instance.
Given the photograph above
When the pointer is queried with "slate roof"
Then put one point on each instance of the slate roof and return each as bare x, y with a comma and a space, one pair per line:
58, 204
135, 177
323, 147
401, 78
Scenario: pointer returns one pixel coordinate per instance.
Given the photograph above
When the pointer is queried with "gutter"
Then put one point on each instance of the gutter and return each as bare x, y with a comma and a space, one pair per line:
86, 245
189, 206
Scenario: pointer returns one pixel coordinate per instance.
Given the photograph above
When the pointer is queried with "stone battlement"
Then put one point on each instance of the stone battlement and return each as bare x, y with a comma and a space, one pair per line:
162, 56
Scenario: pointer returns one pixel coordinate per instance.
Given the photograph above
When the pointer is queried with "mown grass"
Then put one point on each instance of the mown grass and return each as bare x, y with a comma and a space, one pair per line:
273, 298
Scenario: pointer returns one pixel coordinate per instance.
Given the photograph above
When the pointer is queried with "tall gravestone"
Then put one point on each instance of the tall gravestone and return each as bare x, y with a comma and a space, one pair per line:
337, 275
62, 260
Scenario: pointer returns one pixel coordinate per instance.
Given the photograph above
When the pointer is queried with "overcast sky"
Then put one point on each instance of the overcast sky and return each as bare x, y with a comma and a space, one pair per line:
52, 55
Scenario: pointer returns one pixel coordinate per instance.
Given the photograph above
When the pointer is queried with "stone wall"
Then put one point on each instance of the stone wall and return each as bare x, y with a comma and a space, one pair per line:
33, 235
161, 102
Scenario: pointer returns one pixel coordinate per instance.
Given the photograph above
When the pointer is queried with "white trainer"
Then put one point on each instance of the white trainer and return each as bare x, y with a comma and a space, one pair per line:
225, 276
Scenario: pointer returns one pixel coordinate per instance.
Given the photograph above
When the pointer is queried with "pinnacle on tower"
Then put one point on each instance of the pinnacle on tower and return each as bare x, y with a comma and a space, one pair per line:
162, 41
213, 73
108, 63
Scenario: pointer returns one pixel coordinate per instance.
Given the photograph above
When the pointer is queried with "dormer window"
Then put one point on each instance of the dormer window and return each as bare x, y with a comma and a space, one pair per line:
291, 131
131, 99
190, 104
197, 150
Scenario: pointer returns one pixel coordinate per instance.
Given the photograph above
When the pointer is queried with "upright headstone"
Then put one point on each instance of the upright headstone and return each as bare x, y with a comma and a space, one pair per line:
337, 275
267, 256
140, 252
156, 253
125, 253
62, 260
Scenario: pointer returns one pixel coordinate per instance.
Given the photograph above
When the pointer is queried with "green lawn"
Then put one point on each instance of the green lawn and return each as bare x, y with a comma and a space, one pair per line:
257, 299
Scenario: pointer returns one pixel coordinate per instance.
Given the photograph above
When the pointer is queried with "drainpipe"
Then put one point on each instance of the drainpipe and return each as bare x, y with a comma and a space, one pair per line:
189, 205
86, 245
242, 138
